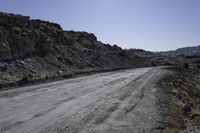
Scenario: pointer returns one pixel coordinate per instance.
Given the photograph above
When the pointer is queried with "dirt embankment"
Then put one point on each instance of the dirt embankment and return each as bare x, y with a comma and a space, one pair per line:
183, 87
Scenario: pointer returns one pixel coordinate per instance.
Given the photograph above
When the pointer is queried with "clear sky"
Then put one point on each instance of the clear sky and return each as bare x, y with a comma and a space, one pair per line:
155, 25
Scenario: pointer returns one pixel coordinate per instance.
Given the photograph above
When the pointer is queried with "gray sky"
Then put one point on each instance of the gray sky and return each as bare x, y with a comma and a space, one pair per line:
155, 25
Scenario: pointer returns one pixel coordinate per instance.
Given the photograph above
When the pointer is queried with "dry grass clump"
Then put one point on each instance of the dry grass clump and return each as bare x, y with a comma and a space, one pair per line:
172, 119
170, 130
194, 113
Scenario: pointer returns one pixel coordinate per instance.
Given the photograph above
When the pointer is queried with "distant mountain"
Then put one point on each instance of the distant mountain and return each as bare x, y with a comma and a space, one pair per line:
186, 51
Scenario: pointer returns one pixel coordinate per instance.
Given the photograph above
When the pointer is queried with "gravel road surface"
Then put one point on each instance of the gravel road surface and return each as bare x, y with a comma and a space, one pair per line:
113, 102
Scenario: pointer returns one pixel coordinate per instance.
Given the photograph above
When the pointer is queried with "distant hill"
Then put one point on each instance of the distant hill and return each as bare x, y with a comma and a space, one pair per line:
186, 51
189, 55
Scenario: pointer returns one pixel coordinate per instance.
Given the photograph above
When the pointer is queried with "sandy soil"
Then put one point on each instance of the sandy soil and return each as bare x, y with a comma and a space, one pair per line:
112, 102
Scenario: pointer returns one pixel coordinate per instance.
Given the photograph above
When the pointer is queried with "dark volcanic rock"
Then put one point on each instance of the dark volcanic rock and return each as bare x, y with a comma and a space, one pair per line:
186, 110
45, 51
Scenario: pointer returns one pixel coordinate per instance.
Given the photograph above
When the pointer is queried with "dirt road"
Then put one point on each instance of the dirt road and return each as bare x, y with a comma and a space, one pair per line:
112, 102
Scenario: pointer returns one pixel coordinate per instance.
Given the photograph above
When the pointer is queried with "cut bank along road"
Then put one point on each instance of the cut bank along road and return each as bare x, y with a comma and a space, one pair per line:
112, 102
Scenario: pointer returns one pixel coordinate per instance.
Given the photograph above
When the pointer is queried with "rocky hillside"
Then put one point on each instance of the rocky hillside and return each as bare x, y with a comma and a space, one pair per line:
35, 50
180, 57
153, 58
142, 53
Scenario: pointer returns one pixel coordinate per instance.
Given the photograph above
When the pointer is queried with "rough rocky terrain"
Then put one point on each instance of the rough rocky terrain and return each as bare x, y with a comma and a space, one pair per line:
124, 101
183, 87
35, 50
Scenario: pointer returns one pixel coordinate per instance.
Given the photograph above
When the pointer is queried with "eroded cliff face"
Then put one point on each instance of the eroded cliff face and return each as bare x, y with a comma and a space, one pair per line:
33, 50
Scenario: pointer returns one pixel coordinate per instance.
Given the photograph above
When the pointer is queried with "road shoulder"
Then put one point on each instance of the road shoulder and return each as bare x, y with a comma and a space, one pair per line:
183, 105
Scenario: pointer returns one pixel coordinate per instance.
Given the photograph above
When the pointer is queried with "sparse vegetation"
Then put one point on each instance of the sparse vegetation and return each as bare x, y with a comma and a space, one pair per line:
184, 105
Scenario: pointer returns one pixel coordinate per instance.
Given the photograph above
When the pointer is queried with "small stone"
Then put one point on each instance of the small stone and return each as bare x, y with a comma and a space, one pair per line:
186, 109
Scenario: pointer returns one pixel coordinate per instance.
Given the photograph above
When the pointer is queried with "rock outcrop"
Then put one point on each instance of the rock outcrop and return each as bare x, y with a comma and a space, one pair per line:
35, 50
